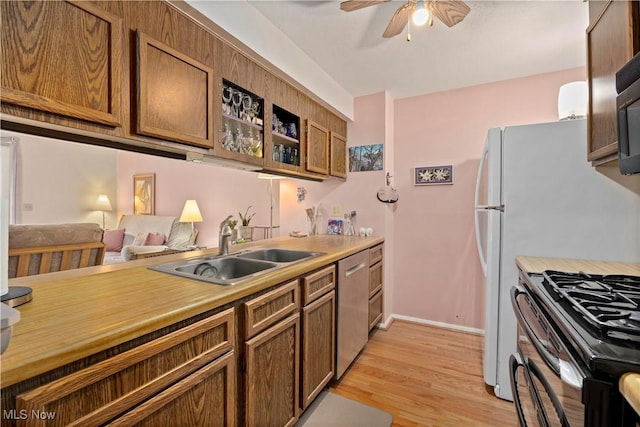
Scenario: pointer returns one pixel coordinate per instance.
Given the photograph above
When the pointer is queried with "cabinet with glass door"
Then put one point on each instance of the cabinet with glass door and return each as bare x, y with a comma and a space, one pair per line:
285, 140
242, 131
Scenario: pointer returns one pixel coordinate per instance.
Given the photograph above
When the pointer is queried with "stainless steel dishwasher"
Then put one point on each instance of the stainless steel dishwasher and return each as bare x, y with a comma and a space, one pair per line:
352, 309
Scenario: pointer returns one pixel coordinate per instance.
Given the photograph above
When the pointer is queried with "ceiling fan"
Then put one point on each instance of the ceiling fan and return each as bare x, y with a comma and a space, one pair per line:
450, 12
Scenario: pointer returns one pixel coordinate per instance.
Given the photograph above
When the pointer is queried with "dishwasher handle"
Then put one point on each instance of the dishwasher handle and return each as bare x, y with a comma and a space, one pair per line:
352, 270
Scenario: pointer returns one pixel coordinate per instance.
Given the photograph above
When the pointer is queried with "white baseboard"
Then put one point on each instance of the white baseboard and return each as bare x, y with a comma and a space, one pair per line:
387, 323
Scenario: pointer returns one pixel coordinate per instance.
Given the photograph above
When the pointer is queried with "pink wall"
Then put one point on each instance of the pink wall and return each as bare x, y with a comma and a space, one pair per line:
437, 273
431, 267
219, 191
357, 193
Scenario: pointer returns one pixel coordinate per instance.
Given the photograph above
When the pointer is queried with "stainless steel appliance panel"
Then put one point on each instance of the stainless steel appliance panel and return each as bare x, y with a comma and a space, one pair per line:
555, 378
352, 309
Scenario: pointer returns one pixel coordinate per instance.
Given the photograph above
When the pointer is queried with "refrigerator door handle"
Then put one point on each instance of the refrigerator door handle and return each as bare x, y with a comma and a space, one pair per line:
483, 261
483, 158
491, 208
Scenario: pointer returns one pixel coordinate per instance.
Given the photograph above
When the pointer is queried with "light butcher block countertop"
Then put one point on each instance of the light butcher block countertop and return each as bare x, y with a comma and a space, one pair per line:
538, 265
77, 313
630, 389
629, 383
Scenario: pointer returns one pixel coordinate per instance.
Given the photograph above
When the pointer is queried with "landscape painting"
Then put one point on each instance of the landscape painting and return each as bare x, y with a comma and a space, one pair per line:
365, 158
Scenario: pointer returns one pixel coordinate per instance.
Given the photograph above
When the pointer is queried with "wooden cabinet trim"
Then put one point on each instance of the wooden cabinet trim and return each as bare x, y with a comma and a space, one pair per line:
251, 347
316, 284
265, 310
310, 391
375, 310
42, 103
39, 398
338, 155
158, 402
376, 254
375, 278
144, 125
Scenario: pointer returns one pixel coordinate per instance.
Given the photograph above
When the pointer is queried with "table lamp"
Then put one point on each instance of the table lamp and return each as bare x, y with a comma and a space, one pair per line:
191, 213
103, 204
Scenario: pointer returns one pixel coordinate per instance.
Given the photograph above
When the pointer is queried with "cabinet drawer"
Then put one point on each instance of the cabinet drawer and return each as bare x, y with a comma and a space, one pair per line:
99, 393
375, 310
182, 401
375, 279
265, 310
317, 284
375, 254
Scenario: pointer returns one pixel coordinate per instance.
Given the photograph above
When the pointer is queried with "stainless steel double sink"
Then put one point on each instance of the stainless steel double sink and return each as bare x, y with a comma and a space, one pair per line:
234, 268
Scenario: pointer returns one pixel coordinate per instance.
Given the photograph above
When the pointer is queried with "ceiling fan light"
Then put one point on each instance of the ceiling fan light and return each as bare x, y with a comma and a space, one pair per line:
420, 16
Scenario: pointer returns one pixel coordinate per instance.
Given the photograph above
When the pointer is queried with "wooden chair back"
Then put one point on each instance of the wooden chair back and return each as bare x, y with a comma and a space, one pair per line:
56, 258
45, 248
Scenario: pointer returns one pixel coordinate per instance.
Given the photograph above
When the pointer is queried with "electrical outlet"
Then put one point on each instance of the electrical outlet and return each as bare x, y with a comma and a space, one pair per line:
27, 207
336, 211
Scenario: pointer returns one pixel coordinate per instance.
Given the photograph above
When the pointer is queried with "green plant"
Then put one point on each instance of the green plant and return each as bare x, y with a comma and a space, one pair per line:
246, 218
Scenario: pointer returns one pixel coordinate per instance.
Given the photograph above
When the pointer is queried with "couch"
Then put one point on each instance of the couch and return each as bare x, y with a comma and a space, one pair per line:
137, 234
44, 248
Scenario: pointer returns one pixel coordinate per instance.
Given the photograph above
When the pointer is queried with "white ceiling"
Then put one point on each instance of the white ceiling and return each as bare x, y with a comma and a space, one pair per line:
497, 40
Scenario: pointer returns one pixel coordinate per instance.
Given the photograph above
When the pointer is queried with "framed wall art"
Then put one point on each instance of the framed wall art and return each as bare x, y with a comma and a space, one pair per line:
433, 175
366, 158
144, 194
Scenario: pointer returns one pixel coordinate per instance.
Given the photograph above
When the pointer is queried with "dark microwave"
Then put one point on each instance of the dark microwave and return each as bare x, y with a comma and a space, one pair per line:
628, 103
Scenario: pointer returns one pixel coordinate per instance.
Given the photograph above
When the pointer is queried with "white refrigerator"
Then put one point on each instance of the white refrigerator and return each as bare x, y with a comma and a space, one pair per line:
537, 195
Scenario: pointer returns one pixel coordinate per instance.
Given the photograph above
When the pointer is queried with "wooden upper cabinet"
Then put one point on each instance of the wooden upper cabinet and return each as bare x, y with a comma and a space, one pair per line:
612, 40
175, 95
338, 146
62, 58
317, 148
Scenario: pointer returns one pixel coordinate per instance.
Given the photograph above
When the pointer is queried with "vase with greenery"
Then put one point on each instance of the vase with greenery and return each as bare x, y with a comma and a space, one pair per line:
246, 232
234, 231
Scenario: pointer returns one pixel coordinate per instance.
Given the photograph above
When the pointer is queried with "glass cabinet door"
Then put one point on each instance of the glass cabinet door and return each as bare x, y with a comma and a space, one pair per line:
285, 134
242, 121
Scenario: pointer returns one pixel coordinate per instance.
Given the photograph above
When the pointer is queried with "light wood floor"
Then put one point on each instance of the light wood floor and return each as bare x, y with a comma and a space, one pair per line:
425, 376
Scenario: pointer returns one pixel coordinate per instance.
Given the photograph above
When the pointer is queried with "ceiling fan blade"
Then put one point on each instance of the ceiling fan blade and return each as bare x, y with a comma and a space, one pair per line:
351, 5
450, 12
399, 20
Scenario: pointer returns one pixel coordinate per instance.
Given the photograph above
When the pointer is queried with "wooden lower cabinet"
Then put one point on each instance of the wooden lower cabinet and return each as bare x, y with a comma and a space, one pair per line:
205, 398
161, 379
375, 310
271, 377
318, 347
376, 280
318, 333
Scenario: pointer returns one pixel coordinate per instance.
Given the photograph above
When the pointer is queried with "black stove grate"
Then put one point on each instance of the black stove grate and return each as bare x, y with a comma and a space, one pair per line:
609, 303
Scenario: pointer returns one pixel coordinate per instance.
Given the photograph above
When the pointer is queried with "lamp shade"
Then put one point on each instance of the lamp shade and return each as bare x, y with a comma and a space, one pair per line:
572, 100
191, 212
103, 203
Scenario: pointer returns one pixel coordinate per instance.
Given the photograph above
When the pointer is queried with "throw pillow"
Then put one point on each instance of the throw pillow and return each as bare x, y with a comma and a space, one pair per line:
140, 239
154, 239
112, 240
